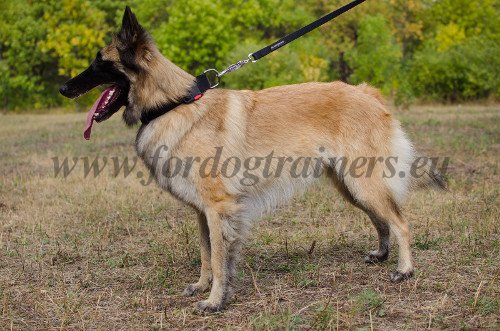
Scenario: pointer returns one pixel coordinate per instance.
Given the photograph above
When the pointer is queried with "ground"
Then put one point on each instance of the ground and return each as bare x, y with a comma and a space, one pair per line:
112, 253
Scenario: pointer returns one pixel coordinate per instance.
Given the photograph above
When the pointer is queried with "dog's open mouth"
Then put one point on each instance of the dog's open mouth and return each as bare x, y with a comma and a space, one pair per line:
110, 101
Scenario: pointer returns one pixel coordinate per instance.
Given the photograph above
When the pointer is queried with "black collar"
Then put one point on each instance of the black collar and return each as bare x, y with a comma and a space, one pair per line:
196, 92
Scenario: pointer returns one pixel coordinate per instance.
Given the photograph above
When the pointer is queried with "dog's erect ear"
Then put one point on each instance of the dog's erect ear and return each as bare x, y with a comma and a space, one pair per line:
131, 30
133, 41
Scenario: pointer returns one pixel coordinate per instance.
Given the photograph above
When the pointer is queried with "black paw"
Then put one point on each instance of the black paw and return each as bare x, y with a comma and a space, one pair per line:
376, 257
397, 276
207, 307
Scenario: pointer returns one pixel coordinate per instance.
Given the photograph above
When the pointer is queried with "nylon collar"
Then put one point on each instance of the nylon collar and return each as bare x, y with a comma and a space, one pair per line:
195, 93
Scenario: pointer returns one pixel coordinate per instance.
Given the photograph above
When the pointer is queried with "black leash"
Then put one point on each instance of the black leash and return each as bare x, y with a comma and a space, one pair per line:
305, 30
204, 82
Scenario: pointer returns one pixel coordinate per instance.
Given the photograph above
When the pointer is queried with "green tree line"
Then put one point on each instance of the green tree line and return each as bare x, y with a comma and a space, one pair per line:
442, 50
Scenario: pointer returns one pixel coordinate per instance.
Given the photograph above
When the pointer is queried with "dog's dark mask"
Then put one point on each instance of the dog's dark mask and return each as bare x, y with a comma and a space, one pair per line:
104, 72
100, 72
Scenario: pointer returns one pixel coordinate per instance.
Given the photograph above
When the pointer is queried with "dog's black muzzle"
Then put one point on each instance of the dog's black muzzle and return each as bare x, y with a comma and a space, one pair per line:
100, 72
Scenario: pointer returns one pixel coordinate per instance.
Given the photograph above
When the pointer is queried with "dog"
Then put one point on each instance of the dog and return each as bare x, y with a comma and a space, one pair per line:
288, 126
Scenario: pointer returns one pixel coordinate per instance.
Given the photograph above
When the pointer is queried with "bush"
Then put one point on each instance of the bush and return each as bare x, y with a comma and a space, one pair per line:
462, 72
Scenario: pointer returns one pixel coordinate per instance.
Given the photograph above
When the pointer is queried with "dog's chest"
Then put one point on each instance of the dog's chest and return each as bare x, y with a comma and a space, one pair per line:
158, 151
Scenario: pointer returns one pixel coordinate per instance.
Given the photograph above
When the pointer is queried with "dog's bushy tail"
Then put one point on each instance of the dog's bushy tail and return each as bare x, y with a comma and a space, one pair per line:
428, 176
410, 171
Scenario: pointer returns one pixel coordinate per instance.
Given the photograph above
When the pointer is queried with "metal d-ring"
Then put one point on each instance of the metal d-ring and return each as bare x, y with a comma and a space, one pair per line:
217, 75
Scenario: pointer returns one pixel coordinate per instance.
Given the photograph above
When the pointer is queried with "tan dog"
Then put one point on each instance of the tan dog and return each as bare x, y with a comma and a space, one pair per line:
284, 138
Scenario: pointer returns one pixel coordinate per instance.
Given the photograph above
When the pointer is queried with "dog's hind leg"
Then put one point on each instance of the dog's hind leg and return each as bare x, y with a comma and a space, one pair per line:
386, 212
203, 283
405, 266
372, 196
380, 225
387, 217
400, 228
383, 231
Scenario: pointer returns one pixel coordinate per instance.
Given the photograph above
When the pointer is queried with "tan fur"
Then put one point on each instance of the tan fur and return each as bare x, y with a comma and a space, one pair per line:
289, 121
372, 91
320, 121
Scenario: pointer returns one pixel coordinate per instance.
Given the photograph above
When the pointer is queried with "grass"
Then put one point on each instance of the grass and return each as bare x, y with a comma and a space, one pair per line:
111, 253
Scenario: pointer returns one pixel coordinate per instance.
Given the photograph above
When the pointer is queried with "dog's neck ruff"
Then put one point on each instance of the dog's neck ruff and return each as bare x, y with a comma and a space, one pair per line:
195, 93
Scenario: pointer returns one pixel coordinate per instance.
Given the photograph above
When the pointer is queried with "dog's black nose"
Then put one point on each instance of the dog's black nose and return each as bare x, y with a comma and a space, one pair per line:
63, 90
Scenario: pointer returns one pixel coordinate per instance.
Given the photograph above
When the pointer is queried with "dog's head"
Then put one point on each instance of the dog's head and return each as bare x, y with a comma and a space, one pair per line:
119, 65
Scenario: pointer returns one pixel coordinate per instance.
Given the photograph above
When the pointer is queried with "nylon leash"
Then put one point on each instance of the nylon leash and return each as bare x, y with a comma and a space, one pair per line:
305, 30
254, 57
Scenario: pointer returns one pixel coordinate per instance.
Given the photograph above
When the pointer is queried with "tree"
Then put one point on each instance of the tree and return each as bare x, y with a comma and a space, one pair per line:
75, 31
22, 64
377, 56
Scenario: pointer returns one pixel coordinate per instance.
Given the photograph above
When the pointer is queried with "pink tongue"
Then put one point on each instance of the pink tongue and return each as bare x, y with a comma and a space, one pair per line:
90, 115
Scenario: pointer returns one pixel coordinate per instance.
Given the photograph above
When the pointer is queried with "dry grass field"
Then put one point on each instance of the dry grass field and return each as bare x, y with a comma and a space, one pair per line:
110, 253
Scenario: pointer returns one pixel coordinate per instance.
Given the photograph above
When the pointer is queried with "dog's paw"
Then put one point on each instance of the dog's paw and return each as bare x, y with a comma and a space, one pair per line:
397, 276
376, 257
208, 307
194, 289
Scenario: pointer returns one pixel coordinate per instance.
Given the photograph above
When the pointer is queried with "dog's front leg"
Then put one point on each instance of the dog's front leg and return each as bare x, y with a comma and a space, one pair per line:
220, 293
203, 283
